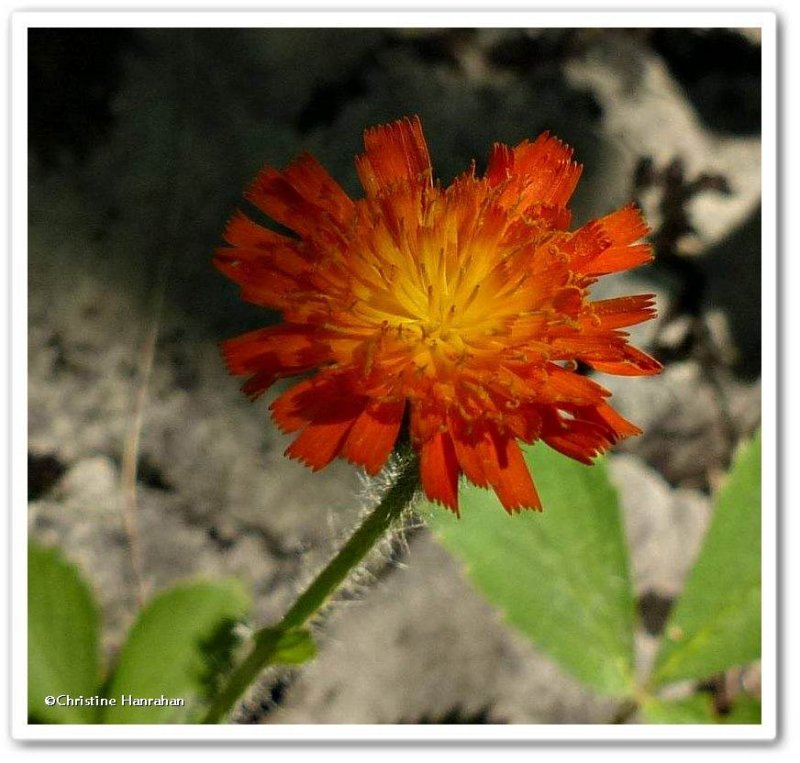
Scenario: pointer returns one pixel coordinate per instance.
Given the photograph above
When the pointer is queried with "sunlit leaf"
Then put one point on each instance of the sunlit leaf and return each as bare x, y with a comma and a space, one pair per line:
695, 709
699, 708
561, 576
745, 710
178, 648
294, 647
63, 628
716, 623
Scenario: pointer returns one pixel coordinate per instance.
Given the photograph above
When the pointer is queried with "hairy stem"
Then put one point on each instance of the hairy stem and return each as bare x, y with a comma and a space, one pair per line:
372, 529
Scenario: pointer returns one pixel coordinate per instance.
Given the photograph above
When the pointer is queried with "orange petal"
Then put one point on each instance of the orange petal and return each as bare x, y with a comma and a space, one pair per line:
319, 443
568, 301
374, 434
252, 243
620, 426
439, 470
622, 311
268, 267
312, 181
575, 437
304, 197
617, 258
625, 226
633, 363
580, 441
272, 353
295, 407
243, 233
259, 383
500, 165
525, 423
622, 229
586, 243
566, 386
541, 172
489, 458
287, 346
469, 459
323, 398
330, 411
426, 421
268, 288
591, 430
394, 153
512, 479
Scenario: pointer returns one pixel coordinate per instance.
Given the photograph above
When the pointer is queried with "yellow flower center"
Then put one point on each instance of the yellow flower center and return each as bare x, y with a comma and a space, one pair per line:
441, 318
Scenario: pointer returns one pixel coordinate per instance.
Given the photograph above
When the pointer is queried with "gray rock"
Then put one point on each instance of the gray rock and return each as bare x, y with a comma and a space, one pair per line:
645, 113
688, 407
423, 644
664, 527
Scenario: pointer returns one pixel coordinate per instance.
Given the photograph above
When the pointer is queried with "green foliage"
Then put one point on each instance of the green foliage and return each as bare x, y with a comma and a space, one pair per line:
695, 709
745, 710
292, 647
62, 638
699, 708
181, 647
561, 577
716, 622
180, 644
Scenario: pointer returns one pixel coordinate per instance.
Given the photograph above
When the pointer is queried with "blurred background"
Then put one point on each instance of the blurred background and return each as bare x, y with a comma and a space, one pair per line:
141, 142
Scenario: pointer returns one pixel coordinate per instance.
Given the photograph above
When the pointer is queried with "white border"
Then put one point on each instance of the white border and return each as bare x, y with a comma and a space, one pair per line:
393, 19
21, 21
769, 380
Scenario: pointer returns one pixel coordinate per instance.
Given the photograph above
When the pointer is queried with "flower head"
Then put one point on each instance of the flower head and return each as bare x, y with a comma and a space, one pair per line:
461, 310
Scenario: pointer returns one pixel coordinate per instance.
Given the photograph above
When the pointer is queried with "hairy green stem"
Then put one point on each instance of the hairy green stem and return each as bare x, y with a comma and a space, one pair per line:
372, 529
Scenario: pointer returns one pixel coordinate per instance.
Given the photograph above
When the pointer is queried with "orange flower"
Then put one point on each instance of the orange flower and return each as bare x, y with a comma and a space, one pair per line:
463, 308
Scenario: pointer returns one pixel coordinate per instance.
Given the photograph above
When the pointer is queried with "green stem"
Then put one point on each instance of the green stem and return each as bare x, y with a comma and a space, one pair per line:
321, 589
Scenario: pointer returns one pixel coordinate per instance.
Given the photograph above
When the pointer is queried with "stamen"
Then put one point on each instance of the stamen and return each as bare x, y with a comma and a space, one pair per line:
472, 296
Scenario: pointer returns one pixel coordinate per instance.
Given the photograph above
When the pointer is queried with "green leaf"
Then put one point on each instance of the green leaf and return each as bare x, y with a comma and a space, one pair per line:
560, 576
698, 708
745, 710
293, 647
178, 648
63, 625
716, 623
